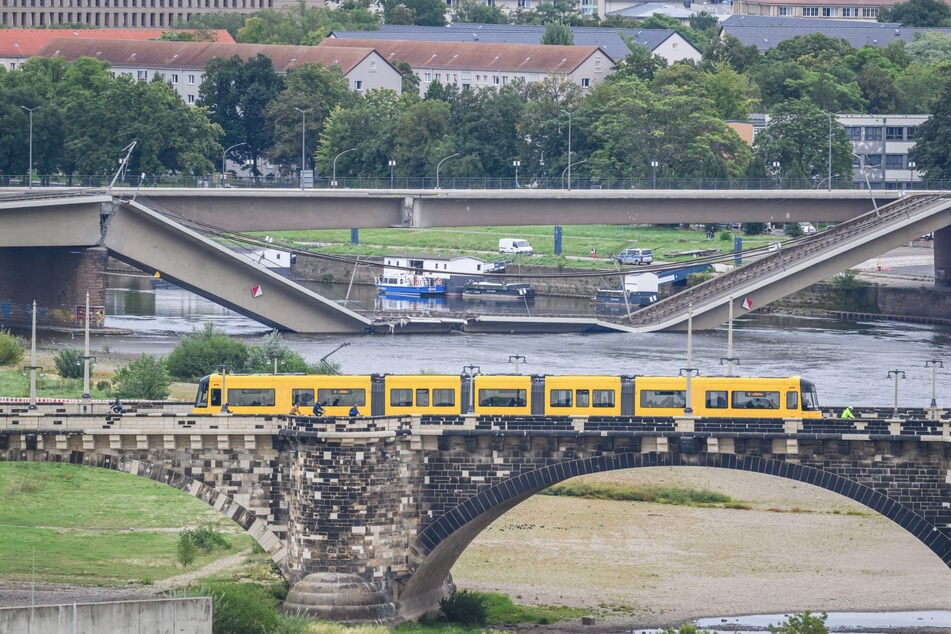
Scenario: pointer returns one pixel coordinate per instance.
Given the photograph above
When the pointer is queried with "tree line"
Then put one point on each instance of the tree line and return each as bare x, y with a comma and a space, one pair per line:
649, 118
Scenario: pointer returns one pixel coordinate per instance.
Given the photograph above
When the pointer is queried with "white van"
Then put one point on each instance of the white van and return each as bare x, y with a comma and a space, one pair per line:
514, 245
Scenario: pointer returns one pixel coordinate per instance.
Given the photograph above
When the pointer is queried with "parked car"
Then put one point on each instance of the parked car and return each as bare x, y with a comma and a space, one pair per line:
635, 256
514, 245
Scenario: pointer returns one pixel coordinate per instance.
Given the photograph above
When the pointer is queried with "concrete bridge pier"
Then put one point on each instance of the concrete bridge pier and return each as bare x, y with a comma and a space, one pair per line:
942, 257
354, 508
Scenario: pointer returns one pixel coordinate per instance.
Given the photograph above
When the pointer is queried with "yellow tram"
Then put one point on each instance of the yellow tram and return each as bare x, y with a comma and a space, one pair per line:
509, 395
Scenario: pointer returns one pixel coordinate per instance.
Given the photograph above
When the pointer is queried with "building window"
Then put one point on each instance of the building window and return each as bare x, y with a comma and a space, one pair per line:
873, 160
786, 11
372, 65
495, 80
873, 134
191, 80
585, 82
522, 4
175, 78
894, 161
191, 100
830, 12
597, 65
854, 132
427, 77
894, 133
850, 12
869, 12
910, 133
810, 12
358, 84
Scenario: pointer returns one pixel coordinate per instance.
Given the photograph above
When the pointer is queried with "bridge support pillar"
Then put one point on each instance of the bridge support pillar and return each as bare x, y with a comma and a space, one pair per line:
942, 257
352, 508
56, 277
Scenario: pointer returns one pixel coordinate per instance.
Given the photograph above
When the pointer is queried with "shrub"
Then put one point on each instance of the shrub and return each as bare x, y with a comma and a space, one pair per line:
207, 539
11, 352
203, 351
69, 363
261, 358
465, 608
186, 549
726, 236
144, 378
793, 230
753, 228
240, 608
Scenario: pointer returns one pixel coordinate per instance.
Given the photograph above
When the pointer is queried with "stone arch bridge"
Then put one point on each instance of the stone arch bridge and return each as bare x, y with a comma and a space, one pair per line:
366, 517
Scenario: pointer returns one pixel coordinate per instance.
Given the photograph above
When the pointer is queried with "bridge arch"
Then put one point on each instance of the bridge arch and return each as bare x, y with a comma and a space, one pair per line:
440, 543
258, 529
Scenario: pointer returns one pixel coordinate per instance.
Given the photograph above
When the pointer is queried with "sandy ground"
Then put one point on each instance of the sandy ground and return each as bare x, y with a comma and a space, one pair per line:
642, 565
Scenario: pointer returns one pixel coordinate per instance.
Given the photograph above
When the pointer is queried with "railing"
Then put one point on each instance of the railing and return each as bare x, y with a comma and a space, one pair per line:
791, 252
461, 182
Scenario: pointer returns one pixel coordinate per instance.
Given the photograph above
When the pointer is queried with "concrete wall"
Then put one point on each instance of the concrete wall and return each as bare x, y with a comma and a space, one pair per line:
157, 616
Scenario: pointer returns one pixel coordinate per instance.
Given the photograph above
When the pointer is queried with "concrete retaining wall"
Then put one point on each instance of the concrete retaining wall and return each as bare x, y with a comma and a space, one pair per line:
158, 616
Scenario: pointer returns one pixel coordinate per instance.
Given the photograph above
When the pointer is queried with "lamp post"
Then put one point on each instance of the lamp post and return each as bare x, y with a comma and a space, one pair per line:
689, 371
29, 177
775, 166
516, 359
333, 181
87, 360
515, 164
568, 112
830, 152
568, 169
392, 164
223, 157
654, 165
898, 374
224, 389
33, 367
911, 174
438, 165
303, 143
934, 364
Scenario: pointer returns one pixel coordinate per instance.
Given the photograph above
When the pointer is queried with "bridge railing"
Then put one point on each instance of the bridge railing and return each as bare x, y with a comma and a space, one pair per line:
790, 253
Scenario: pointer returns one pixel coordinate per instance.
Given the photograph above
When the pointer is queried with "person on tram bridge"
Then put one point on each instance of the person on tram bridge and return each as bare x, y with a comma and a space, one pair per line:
847, 412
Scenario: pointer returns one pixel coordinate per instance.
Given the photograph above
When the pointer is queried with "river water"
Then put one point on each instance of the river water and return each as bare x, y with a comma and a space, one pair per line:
849, 360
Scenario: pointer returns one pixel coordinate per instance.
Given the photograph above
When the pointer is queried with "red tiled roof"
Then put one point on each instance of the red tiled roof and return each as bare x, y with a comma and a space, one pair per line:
537, 58
28, 42
162, 54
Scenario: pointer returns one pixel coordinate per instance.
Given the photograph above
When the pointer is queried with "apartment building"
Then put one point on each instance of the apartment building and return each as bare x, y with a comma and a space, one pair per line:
767, 32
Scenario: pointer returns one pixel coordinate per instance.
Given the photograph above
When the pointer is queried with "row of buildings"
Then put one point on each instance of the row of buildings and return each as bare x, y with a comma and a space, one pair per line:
469, 56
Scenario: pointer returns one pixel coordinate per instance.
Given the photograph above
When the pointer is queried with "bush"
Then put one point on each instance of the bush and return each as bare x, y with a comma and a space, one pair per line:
753, 228
11, 350
793, 230
261, 358
69, 363
464, 607
186, 549
144, 378
240, 608
203, 352
207, 539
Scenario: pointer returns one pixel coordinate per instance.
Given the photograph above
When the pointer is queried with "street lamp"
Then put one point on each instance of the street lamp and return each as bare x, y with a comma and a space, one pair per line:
776, 174
33, 367
568, 112
438, 165
30, 170
568, 169
224, 389
223, 155
911, 173
934, 364
516, 359
515, 164
392, 164
333, 181
303, 143
898, 374
654, 165
86, 358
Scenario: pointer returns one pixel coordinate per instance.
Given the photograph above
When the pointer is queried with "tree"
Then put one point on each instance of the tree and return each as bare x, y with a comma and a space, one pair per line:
917, 13
640, 63
804, 623
144, 378
558, 34
274, 353
475, 12
932, 149
368, 127
186, 548
798, 138
205, 351
419, 12
236, 94
315, 89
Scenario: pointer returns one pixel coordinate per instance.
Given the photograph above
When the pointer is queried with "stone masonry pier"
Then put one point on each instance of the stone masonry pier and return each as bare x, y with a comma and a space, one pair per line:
366, 517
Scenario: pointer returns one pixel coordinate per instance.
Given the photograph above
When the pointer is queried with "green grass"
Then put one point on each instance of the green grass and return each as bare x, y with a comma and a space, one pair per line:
656, 495
14, 383
577, 241
94, 526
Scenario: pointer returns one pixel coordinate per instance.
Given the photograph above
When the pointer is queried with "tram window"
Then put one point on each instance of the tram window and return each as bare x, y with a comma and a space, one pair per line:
401, 398
663, 398
582, 398
560, 398
792, 400
251, 397
202, 398
422, 398
302, 397
756, 400
810, 400
216, 396
342, 397
502, 398
444, 398
603, 398
716, 399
